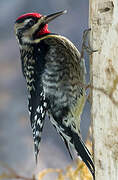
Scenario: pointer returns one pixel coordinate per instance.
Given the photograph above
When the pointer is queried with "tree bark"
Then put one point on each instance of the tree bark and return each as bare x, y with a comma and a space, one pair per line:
104, 86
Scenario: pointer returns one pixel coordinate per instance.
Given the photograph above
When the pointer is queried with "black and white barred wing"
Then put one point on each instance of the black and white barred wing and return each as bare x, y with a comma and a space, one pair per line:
37, 109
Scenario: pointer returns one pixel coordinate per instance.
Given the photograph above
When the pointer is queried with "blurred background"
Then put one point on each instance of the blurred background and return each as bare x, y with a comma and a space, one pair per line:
16, 144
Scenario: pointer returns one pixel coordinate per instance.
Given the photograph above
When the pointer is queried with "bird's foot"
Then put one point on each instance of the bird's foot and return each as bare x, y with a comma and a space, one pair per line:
86, 44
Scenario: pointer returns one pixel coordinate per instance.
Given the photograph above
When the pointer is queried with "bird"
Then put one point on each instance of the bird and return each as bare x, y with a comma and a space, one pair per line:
55, 76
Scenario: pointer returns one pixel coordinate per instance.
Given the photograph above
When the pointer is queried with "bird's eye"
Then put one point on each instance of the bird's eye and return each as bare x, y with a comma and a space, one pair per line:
31, 23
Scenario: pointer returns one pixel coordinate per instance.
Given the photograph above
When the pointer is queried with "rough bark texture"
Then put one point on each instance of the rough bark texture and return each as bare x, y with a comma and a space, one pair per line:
104, 79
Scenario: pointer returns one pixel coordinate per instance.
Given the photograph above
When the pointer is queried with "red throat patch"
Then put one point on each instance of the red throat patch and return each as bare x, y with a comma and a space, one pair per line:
44, 30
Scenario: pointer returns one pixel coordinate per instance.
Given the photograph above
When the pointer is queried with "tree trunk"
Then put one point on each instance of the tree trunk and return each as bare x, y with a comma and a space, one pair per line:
104, 87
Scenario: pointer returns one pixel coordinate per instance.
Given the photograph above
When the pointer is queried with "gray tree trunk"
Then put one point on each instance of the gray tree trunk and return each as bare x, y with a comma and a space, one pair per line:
104, 80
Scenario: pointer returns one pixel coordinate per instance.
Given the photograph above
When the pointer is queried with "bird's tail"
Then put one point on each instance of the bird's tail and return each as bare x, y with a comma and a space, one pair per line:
84, 153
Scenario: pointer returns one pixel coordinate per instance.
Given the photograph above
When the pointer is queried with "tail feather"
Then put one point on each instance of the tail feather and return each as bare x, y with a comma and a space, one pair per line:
72, 139
67, 145
84, 153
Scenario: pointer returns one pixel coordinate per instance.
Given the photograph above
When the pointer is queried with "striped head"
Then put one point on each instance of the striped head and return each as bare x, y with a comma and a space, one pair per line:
31, 26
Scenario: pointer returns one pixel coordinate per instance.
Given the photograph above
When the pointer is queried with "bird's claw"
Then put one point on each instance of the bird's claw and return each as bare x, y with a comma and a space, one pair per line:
86, 44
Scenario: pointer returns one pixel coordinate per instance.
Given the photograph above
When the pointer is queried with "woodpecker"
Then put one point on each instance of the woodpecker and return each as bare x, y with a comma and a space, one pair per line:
55, 74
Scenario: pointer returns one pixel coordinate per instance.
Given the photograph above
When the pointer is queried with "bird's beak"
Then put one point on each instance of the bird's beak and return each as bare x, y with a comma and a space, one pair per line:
53, 16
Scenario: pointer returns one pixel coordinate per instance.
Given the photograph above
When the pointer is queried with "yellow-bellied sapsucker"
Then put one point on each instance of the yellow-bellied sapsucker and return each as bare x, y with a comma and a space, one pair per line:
55, 74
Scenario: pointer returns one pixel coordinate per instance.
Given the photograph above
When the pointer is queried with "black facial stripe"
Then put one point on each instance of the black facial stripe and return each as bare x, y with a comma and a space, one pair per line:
27, 26
21, 30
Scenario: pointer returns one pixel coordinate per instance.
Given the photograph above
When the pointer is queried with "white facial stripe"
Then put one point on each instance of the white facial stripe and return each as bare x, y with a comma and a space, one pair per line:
26, 21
